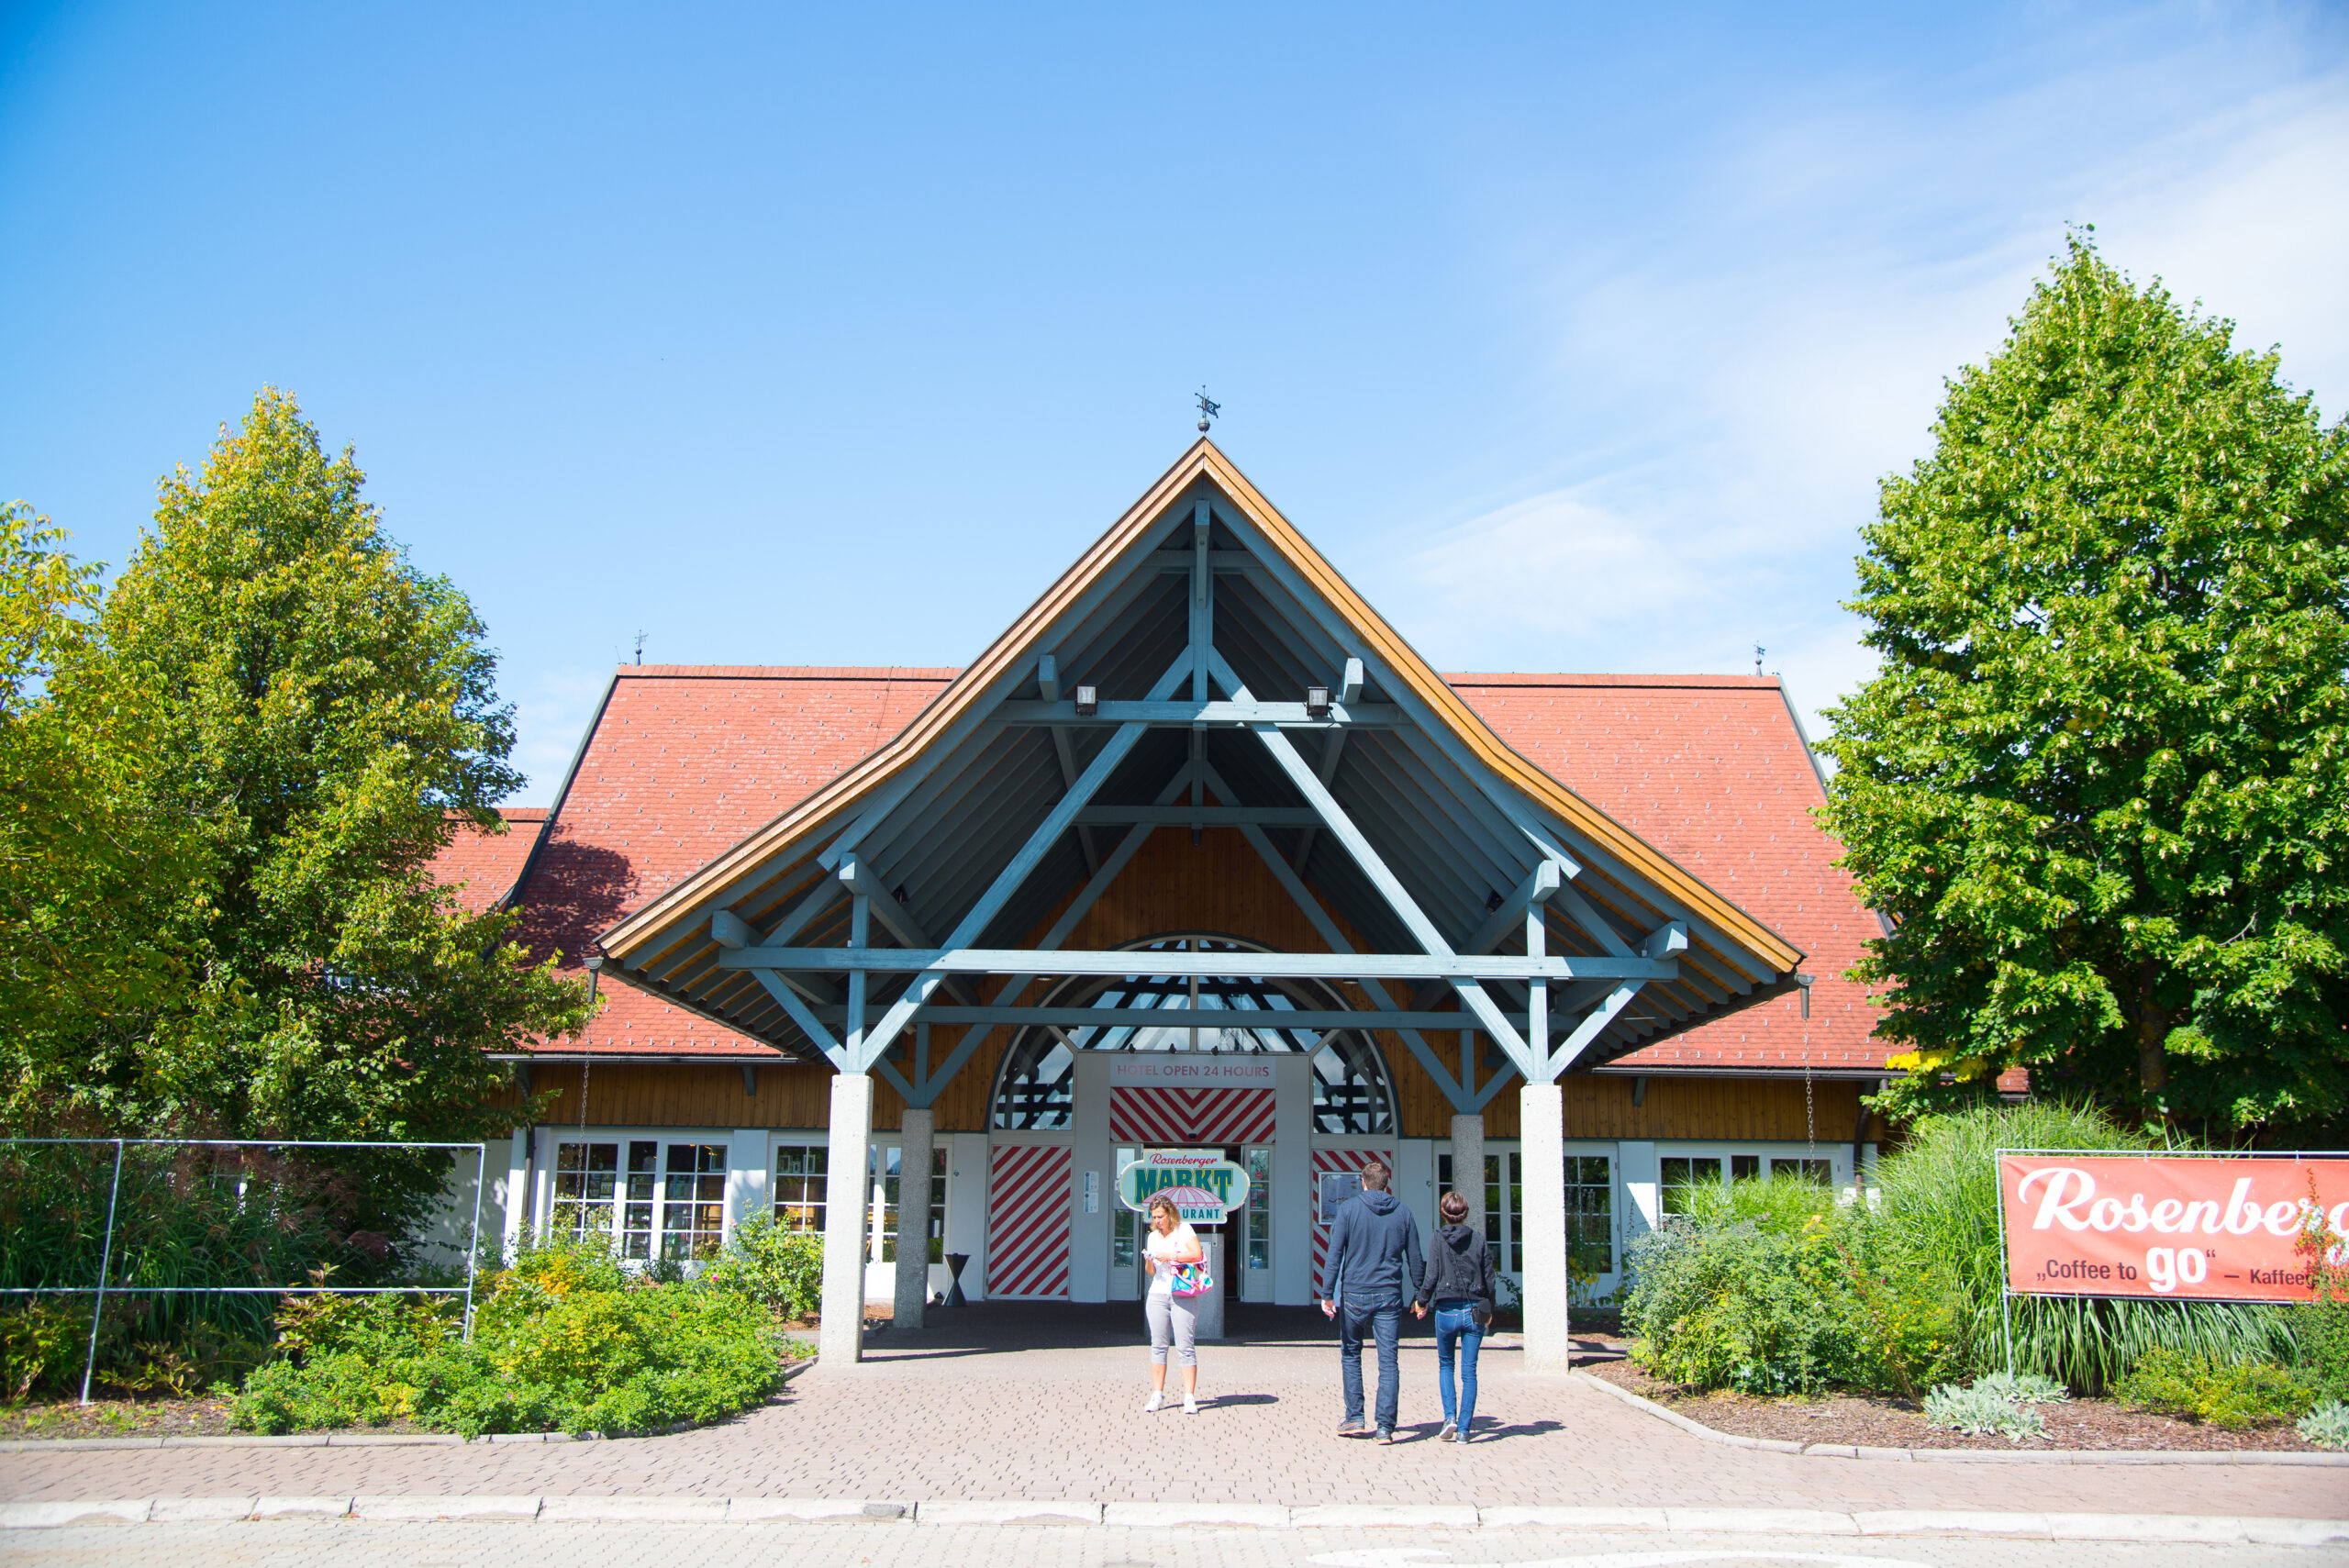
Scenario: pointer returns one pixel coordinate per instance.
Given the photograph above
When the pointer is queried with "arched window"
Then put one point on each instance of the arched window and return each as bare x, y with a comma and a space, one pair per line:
1236, 1013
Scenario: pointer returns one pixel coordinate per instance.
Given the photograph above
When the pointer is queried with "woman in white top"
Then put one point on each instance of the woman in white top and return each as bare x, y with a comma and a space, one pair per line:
1169, 1244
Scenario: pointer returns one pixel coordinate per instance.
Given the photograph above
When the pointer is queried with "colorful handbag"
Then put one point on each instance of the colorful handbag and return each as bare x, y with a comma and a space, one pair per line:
1193, 1279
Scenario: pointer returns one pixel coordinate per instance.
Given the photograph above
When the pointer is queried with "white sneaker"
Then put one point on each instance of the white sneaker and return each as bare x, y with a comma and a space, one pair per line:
1155, 1401
1190, 1406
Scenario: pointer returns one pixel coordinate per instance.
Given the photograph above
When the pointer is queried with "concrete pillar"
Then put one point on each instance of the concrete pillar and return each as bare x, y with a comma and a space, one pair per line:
1543, 1226
1088, 1260
1468, 1166
915, 1137
840, 1340
1292, 1197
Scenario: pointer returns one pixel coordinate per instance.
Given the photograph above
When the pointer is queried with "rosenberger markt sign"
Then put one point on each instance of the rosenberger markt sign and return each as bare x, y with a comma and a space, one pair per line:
2218, 1229
1204, 1184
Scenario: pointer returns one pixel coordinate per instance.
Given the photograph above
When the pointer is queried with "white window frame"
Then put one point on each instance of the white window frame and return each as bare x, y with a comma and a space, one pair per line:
1769, 1155
1618, 1200
658, 1209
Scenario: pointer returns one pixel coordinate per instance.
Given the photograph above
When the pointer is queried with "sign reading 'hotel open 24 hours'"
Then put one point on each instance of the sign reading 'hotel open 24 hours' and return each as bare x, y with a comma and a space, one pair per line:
1204, 1184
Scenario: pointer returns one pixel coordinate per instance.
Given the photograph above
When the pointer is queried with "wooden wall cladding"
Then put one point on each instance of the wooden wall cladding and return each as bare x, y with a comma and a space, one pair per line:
682, 1094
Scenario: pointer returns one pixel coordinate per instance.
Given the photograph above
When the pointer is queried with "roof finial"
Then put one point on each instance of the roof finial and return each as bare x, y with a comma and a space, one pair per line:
639, 647
1758, 651
1209, 409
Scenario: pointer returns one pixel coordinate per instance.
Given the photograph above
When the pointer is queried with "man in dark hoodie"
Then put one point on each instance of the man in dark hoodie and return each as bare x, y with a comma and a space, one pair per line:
1370, 1271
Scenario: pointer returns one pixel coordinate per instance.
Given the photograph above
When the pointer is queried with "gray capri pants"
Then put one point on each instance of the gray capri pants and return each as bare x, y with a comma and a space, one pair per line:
1172, 1318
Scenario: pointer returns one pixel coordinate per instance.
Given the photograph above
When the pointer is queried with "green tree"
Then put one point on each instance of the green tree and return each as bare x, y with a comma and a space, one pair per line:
2100, 785
326, 719
93, 885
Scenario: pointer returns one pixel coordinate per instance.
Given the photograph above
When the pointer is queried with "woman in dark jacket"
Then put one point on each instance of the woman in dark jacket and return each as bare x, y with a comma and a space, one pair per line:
1460, 1284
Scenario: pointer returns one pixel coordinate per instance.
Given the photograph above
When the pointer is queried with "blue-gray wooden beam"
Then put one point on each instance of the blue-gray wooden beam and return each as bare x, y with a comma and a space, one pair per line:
1233, 715
1407, 909
1294, 885
1200, 815
1048, 681
1316, 1018
1443, 962
1086, 897
1332, 750
1057, 821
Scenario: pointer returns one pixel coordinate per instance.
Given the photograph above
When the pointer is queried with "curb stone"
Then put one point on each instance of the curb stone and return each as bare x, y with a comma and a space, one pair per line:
1962, 1455
2179, 1529
301, 1508
966, 1513
815, 1510
200, 1510
410, 1509
1761, 1521
1216, 1516
665, 1510
1549, 1516
1385, 1516
55, 1516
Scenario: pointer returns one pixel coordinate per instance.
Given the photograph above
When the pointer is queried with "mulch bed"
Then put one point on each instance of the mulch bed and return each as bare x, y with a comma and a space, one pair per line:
1899, 1423
118, 1418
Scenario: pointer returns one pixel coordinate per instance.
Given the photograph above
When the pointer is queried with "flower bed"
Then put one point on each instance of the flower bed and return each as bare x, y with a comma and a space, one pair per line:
1887, 1421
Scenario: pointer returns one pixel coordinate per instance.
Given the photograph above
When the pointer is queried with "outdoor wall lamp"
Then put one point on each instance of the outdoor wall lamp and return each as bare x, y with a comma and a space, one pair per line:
1088, 702
1316, 702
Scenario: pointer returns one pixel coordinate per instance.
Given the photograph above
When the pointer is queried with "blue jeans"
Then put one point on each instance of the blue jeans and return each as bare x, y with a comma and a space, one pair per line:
1456, 1331
1387, 1324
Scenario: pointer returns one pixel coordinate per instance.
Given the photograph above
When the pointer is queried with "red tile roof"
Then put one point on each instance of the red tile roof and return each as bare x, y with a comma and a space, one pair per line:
682, 761
1712, 771
482, 866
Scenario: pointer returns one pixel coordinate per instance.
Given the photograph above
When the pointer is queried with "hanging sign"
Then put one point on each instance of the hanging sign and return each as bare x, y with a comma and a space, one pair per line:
2166, 1226
1204, 1184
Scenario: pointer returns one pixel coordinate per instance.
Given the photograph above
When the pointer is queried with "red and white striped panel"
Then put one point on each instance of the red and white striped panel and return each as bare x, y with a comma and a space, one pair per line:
1028, 1223
1348, 1160
1162, 1115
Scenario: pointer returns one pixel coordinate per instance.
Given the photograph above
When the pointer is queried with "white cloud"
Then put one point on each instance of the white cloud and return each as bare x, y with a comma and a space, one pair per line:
1737, 393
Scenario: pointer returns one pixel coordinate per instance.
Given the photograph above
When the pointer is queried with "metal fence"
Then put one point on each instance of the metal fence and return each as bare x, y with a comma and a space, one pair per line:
112, 1277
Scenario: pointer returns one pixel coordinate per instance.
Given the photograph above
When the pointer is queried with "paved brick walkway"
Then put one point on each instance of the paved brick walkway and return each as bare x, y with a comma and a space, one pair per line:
1018, 1403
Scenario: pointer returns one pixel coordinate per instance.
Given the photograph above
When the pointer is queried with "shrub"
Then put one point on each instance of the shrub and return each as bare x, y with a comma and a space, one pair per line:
1767, 1288
2231, 1395
2327, 1426
1940, 1192
564, 1339
781, 1270
1985, 1408
41, 1342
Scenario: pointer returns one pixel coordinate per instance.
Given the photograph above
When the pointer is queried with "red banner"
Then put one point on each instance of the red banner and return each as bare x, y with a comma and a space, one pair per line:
2164, 1227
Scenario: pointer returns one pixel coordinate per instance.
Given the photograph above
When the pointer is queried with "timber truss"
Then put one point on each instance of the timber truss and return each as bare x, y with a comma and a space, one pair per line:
859, 933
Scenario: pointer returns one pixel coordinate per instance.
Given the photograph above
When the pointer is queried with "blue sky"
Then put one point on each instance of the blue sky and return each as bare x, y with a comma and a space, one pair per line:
1578, 337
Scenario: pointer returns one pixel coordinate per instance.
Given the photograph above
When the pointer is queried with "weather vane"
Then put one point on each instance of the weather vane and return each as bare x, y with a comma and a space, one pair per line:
1758, 651
1209, 409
